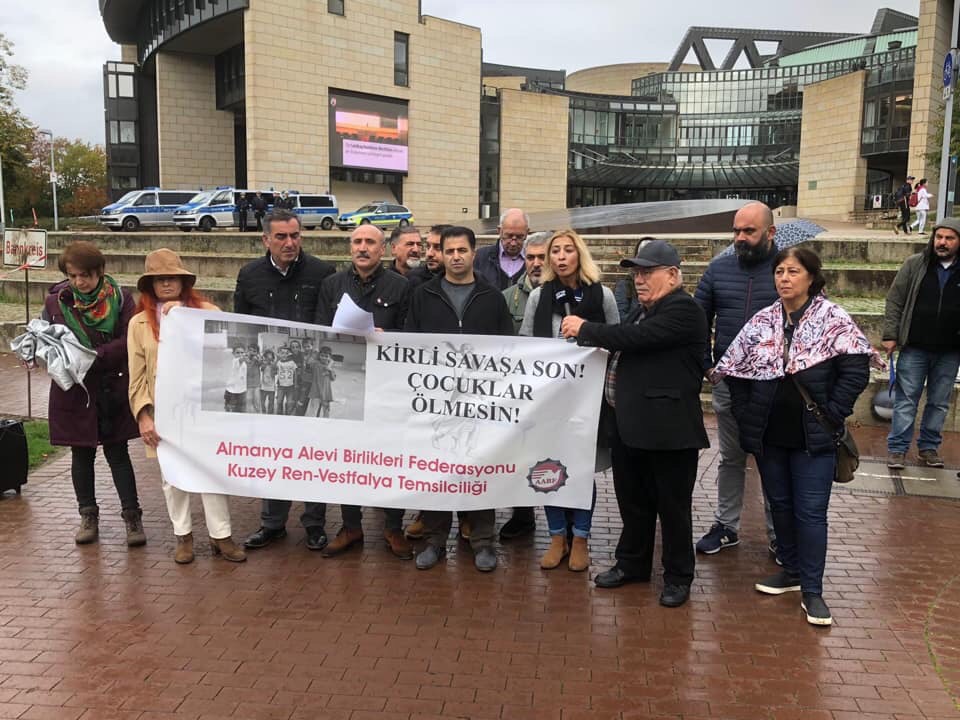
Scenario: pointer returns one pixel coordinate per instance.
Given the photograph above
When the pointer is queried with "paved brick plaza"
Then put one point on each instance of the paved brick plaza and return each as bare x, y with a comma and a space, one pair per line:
103, 632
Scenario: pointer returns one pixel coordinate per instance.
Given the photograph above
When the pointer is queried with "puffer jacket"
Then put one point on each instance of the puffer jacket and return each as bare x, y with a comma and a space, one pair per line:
731, 293
834, 385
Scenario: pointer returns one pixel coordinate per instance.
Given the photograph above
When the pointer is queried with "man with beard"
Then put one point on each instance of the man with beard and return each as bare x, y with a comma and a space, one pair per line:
432, 259
922, 319
405, 245
501, 264
534, 256
734, 287
386, 295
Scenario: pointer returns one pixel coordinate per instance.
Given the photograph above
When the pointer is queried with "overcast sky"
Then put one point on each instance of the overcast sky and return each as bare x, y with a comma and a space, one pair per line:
63, 45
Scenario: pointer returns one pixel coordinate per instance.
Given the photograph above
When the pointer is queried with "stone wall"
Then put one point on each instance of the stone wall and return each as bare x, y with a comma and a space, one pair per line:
832, 172
533, 150
195, 139
933, 40
291, 67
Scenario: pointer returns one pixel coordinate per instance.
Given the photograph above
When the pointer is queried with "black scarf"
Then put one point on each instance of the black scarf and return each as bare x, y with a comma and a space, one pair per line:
590, 308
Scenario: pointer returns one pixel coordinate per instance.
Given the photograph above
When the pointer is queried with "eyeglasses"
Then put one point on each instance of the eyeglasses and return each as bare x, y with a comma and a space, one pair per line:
514, 236
645, 272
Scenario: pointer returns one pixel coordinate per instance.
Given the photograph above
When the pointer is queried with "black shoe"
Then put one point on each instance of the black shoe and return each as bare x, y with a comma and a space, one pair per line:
674, 595
816, 609
316, 538
615, 577
782, 582
263, 537
522, 523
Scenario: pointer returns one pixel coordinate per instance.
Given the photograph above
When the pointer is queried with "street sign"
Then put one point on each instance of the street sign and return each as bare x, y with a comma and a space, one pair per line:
948, 74
25, 248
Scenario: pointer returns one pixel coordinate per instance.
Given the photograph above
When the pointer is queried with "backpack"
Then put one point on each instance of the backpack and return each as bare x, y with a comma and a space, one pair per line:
914, 199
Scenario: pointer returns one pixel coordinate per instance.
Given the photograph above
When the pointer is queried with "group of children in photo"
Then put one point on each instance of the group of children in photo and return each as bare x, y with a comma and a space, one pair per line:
293, 380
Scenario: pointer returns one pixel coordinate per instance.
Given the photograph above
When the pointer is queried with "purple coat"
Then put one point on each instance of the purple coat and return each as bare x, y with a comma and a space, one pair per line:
107, 419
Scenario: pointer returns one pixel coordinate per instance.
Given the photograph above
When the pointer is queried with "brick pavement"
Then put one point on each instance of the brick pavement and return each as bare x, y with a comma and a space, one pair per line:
103, 632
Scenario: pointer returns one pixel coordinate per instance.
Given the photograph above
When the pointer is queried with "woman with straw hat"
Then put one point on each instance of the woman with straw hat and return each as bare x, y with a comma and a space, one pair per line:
165, 283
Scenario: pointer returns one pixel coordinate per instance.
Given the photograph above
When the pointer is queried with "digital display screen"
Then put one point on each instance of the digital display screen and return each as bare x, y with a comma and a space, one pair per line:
368, 132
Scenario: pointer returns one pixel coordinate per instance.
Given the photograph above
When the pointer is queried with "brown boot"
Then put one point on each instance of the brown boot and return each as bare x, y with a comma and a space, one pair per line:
417, 529
183, 555
555, 554
398, 544
579, 555
135, 534
345, 539
228, 549
89, 526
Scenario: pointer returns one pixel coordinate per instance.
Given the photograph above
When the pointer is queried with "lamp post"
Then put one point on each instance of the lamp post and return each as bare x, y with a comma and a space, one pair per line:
53, 180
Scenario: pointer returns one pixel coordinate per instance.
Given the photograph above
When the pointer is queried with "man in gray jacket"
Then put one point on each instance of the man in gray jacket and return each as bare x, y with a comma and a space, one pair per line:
922, 319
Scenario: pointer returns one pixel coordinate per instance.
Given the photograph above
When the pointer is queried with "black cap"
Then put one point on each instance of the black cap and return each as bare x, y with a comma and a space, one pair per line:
910, 177
656, 253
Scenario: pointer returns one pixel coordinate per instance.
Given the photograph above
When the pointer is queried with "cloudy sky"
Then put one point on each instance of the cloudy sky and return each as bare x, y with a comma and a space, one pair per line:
63, 45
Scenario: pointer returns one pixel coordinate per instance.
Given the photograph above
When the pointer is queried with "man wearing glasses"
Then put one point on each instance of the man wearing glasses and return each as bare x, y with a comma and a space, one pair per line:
502, 264
284, 284
653, 390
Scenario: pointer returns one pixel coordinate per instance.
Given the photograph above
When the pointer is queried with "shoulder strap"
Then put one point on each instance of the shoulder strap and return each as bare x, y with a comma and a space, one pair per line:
814, 408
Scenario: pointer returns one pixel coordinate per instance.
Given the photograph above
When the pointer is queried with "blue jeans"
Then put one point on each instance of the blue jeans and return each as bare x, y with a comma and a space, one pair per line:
939, 370
798, 486
582, 519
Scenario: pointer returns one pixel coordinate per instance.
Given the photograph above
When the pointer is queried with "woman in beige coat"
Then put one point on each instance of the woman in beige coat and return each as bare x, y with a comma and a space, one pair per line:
165, 283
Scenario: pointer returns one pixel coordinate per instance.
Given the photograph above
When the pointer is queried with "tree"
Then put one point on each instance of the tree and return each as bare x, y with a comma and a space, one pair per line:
12, 77
81, 176
16, 132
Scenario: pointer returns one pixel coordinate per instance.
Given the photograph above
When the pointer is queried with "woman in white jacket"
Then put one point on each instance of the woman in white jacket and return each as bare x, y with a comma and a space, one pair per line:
923, 205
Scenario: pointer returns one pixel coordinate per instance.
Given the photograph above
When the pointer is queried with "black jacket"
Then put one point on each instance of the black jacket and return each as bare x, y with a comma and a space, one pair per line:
263, 290
834, 385
385, 294
485, 312
486, 264
659, 373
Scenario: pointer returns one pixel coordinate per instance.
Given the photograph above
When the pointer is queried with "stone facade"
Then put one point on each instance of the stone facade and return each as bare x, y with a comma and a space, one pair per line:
195, 139
832, 171
291, 66
615, 79
933, 41
534, 129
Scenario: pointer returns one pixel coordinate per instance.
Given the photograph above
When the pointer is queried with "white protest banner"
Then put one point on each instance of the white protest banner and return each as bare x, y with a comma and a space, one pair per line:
443, 422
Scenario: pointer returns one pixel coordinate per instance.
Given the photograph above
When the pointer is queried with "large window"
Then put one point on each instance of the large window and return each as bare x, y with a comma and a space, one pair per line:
401, 59
335, 7
123, 132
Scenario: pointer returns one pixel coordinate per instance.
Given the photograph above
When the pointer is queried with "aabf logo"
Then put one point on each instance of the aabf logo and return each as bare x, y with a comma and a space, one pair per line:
547, 475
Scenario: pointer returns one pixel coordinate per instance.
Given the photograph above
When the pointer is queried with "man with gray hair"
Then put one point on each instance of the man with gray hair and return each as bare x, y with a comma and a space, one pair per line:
501, 264
405, 244
534, 255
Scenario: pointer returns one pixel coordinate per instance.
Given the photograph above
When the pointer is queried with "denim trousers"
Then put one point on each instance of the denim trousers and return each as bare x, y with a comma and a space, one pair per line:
914, 368
582, 519
798, 486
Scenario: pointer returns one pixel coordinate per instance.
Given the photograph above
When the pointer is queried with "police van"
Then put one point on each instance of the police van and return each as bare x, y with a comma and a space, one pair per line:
315, 210
151, 207
221, 208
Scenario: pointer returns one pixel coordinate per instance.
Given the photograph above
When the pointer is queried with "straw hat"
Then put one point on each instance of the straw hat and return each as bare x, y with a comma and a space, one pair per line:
164, 263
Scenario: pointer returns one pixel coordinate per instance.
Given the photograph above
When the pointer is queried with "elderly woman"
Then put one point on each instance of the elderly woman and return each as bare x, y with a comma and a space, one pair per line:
569, 285
802, 342
165, 283
97, 310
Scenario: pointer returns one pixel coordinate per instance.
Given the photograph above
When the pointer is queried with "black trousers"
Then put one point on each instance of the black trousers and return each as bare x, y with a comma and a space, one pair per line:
652, 484
353, 517
904, 217
84, 481
482, 527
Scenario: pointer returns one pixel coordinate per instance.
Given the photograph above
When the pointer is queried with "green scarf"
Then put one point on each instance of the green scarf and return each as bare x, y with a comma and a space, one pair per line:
100, 310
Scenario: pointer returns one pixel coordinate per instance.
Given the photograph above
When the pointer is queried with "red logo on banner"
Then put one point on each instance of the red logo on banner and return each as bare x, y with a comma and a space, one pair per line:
547, 475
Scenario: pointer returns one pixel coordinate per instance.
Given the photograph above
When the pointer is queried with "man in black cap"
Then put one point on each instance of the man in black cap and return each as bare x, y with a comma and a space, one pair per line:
902, 198
652, 392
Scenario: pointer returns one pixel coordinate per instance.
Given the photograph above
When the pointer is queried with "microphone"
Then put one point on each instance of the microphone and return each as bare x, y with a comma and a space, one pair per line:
562, 297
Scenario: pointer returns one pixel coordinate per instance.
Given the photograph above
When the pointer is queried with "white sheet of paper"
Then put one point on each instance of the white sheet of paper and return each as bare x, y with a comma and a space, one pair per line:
349, 316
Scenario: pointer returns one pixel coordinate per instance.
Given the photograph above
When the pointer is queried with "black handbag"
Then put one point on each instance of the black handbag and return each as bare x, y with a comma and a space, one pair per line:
848, 455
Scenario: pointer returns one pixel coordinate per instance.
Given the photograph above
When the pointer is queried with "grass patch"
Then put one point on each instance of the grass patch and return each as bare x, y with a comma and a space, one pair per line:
38, 443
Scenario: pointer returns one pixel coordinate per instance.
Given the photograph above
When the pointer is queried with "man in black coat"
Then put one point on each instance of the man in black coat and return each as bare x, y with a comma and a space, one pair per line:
386, 295
502, 264
458, 302
259, 206
653, 388
285, 284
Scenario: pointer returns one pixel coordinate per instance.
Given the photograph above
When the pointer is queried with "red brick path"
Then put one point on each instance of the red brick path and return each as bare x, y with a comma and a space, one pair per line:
103, 632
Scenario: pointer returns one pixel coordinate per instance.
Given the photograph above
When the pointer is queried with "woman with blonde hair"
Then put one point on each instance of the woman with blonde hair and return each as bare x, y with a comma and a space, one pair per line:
569, 285
165, 283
